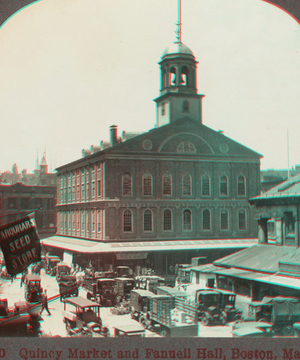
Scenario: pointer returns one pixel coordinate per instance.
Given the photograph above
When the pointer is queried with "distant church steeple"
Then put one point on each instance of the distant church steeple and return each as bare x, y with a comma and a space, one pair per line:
178, 90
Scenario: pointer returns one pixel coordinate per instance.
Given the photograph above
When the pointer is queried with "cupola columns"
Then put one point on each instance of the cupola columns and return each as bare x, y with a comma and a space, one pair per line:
178, 82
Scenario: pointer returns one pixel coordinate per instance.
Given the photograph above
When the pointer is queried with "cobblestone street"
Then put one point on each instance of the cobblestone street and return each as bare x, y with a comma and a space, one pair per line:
53, 325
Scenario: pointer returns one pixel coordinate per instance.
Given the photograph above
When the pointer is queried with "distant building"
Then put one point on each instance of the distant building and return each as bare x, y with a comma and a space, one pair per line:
271, 177
40, 176
22, 194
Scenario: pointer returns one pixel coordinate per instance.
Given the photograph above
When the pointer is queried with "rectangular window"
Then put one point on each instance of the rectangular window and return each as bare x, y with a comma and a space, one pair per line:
12, 203
98, 188
25, 203
38, 203
87, 221
93, 221
82, 221
73, 188
167, 185
78, 221
69, 188
147, 184
186, 185
78, 186
74, 221
99, 221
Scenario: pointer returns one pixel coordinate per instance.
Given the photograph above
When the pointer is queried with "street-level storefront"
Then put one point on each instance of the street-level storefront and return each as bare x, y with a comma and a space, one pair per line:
159, 256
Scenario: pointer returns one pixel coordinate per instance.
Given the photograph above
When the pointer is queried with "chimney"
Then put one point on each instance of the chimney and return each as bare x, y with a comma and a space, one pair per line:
113, 137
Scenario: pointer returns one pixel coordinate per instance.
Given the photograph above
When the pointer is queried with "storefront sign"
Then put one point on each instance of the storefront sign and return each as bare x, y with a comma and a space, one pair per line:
131, 255
20, 244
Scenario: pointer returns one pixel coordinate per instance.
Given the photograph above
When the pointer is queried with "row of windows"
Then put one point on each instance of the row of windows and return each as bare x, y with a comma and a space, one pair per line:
76, 186
186, 220
81, 223
186, 185
30, 203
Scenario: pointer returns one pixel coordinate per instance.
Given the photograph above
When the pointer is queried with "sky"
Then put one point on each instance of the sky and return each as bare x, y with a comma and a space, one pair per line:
69, 69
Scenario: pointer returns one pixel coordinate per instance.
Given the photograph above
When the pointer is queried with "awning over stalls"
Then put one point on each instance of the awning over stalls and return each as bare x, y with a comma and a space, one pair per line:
260, 258
93, 246
206, 268
242, 274
290, 282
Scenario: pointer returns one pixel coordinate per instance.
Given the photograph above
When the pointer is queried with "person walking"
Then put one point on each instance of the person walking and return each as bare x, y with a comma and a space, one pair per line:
45, 304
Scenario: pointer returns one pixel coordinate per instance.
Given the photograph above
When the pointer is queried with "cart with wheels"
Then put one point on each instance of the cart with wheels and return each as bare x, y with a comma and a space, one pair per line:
67, 289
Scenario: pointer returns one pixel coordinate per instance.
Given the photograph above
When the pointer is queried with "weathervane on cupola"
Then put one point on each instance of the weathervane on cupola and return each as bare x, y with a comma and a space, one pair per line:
179, 96
178, 24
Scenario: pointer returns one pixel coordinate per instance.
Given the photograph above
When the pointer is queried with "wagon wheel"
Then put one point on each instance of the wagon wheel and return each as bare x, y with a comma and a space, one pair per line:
105, 331
204, 320
287, 330
144, 322
164, 332
223, 320
263, 319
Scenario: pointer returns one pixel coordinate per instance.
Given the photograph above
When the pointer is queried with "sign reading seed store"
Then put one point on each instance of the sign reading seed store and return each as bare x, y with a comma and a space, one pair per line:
20, 244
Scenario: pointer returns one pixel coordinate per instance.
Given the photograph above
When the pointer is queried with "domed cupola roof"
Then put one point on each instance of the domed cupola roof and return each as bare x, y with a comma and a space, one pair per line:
177, 48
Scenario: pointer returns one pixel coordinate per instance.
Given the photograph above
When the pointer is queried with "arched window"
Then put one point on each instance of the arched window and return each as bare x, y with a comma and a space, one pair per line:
126, 184
185, 106
206, 220
224, 219
187, 220
205, 185
167, 220
186, 147
184, 76
147, 184
186, 185
223, 185
173, 76
167, 184
127, 221
241, 185
163, 75
163, 109
147, 220
242, 220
